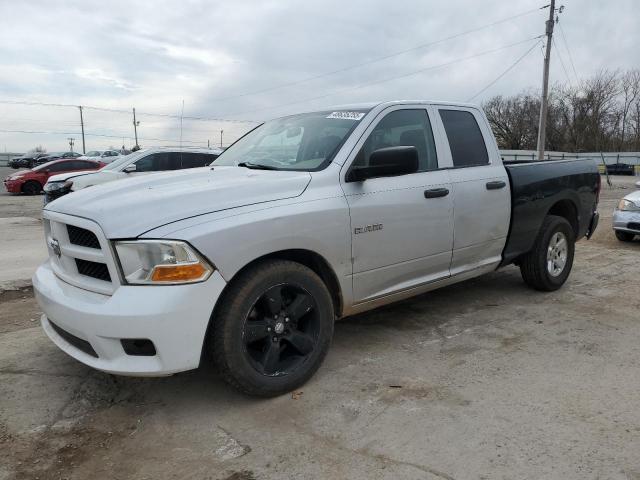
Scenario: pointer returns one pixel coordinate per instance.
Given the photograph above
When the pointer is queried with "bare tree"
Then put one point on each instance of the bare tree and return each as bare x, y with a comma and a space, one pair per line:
601, 113
514, 120
630, 93
38, 149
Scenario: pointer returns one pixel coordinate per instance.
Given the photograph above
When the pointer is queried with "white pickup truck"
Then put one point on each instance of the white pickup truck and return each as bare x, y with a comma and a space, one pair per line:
306, 219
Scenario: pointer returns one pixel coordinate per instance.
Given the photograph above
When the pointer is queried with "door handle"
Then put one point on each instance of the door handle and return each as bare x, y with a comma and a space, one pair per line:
496, 185
436, 192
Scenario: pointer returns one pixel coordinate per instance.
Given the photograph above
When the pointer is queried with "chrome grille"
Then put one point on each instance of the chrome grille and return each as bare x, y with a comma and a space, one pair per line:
79, 253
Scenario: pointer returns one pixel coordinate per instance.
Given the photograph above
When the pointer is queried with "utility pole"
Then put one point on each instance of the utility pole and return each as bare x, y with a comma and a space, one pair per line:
71, 142
135, 126
221, 132
544, 104
82, 126
181, 115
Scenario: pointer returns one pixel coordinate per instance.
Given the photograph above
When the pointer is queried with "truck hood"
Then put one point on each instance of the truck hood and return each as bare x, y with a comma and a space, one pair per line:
129, 207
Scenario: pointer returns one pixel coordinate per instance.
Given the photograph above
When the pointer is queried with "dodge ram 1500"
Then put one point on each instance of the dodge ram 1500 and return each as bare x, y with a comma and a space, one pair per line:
305, 219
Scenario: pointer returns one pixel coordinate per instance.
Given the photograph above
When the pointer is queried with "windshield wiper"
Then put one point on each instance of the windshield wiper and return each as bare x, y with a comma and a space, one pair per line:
256, 166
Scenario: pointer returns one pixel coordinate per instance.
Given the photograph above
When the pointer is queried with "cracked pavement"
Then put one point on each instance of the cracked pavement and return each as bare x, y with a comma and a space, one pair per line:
481, 380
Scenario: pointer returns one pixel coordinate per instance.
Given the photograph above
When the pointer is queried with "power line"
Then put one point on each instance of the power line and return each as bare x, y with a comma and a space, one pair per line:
561, 61
388, 79
33, 132
378, 59
117, 110
566, 45
506, 71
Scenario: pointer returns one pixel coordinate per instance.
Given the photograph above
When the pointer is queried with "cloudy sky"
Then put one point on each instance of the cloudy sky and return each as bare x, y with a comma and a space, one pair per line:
252, 60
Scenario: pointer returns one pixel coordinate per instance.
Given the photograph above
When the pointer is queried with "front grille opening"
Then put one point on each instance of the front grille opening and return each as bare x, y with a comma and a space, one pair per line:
140, 347
93, 269
79, 343
82, 237
633, 226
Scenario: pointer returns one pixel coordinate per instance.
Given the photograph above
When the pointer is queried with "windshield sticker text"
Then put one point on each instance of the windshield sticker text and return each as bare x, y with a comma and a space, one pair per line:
346, 115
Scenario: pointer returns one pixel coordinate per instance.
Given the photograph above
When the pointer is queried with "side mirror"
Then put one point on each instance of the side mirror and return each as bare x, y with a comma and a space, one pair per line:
130, 168
637, 184
387, 162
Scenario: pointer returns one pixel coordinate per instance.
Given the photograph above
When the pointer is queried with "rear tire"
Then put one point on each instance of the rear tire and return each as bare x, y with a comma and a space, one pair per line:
624, 236
273, 328
31, 188
548, 265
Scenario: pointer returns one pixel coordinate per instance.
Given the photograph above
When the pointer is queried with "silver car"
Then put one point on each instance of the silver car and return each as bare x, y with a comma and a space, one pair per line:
626, 217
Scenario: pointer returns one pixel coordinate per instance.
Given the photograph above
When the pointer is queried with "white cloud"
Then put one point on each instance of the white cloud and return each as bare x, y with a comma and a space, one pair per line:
155, 54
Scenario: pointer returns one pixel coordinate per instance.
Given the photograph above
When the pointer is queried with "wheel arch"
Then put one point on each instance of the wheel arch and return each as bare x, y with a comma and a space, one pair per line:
32, 181
568, 210
308, 258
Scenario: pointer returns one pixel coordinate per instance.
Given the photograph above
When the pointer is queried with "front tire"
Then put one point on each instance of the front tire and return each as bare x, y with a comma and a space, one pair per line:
273, 328
548, 265
624, 236
31, 188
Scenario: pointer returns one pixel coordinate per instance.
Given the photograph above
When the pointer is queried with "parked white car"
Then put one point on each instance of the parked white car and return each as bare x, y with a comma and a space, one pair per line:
144, 161
105, 156
626, 217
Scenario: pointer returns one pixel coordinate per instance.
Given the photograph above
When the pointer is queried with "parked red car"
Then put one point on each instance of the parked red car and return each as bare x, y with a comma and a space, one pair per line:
32, 181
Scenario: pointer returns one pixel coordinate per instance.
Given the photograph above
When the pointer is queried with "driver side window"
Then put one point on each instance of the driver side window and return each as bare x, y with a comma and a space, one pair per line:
402, 128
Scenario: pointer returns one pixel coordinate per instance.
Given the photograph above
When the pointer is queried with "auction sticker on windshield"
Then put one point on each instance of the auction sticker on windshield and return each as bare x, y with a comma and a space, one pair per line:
347, 115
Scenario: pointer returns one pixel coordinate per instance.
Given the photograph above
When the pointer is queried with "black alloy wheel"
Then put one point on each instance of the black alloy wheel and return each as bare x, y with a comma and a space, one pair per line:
281, 329
272, 328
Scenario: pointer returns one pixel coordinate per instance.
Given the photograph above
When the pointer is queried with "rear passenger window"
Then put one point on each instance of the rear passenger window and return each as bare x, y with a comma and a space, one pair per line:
465, 138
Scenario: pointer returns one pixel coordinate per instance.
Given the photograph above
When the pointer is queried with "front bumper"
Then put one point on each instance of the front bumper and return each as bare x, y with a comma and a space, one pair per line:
13, 186
626, 221
174, 317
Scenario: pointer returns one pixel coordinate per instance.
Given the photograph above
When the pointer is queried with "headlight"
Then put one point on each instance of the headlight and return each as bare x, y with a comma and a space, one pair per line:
628, 206
55, 186
150, 262
15, 177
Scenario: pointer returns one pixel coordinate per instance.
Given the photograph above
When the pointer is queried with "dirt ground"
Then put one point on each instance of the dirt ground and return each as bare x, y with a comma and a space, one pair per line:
481, 380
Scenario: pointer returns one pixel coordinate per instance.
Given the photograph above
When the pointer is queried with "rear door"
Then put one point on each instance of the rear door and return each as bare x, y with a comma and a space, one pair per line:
401, 226
481, 196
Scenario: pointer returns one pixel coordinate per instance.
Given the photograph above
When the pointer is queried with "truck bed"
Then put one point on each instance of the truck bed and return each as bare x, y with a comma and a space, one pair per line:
562, 187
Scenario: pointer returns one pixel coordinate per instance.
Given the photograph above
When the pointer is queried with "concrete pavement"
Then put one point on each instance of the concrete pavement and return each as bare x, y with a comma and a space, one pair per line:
23, 249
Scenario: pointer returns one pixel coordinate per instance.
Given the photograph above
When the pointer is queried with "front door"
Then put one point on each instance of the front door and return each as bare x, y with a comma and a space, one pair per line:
401, 226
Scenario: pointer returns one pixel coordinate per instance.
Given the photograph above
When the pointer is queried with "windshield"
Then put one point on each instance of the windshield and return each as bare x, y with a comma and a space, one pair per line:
116, 164
300, 142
